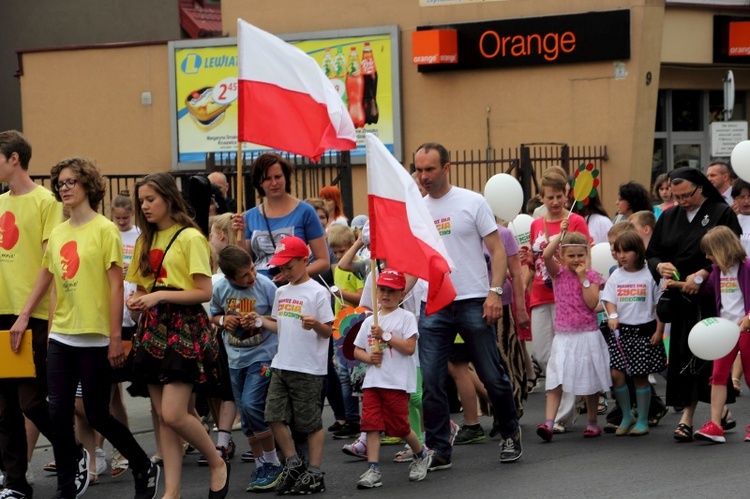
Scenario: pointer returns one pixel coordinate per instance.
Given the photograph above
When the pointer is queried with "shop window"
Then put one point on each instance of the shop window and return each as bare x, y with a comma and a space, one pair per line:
661, 112
686, 111
659, 161
716, 106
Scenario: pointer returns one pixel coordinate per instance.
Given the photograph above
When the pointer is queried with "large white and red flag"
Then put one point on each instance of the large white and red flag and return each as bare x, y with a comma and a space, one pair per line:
285, 100
401, 228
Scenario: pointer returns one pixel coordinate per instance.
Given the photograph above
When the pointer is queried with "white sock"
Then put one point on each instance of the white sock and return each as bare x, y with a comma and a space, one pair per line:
223, 439
271, 457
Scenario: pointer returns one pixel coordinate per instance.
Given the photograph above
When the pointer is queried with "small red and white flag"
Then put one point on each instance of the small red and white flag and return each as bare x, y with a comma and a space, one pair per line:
285, 100
401, 228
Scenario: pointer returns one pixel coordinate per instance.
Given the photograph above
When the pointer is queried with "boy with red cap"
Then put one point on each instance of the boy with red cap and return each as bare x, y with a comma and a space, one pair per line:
302, 318
391, 376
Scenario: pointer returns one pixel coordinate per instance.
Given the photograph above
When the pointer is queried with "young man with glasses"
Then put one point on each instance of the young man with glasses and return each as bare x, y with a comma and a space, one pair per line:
28, 213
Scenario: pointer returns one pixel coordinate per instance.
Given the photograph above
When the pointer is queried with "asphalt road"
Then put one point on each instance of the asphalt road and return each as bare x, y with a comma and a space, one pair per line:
569, 466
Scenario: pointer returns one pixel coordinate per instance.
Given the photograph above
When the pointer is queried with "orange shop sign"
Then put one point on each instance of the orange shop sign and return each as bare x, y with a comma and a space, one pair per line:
537, 41
435, 46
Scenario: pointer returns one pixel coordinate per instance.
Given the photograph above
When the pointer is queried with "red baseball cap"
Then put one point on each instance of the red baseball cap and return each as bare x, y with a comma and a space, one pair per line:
393, 279
288, 248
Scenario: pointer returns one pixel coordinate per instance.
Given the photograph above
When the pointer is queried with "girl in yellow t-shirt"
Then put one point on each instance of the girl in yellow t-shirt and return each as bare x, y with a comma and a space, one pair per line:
84, 259
174, 347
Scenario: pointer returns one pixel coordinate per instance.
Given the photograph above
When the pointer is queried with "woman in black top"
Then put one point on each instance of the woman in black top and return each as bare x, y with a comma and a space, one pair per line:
674, 253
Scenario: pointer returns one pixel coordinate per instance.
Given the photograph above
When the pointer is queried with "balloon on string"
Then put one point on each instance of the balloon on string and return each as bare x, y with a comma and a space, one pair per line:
741, 160
520, 227
504, 195
601, 259
713, 338
584, 184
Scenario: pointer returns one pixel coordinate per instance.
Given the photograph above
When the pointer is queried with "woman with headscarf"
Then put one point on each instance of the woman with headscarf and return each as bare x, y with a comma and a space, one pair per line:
674, 253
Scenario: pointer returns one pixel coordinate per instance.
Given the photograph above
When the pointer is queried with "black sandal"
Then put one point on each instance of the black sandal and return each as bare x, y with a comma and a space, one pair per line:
683, 433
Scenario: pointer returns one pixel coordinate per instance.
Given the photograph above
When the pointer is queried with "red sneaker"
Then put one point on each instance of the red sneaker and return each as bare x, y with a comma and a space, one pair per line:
592, 432
711, 432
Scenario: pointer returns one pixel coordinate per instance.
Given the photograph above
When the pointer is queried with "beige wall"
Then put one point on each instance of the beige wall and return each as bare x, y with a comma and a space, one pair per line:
578, 104
88, 103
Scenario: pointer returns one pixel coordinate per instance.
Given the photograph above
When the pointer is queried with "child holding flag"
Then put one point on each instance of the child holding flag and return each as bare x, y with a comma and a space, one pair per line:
391, 377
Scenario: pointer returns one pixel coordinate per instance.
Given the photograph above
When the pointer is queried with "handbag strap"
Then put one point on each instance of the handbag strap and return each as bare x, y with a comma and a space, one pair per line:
161, 263
268, 226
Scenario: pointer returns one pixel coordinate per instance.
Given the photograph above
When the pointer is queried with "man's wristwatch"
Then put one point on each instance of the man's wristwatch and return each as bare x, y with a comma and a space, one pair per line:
386, 337
614, 315
698, 279
221, 321
498, 290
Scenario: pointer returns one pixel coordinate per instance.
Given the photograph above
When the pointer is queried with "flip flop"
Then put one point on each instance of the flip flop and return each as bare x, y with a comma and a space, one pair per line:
683, 433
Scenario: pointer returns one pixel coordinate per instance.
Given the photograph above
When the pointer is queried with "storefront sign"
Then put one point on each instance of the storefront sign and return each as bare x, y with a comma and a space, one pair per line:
434, 46
725, 135
362, 65
732, 39
593, 36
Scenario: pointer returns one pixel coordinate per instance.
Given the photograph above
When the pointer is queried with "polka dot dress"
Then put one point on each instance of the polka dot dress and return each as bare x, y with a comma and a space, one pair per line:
640, 356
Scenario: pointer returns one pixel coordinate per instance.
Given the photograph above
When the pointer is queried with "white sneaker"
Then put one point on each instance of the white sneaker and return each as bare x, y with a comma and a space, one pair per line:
101, 461
370, 479
454, 431
418, 467
2, 479
29, 475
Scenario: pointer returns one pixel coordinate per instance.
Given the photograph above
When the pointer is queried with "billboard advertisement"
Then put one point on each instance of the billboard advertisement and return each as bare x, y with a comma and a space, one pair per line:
361, 64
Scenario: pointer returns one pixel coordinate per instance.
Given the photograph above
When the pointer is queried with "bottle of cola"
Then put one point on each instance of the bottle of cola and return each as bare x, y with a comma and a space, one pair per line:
355, 89
370, 73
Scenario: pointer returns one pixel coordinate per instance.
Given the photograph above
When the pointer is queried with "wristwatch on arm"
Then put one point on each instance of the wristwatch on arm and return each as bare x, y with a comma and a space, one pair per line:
497, 290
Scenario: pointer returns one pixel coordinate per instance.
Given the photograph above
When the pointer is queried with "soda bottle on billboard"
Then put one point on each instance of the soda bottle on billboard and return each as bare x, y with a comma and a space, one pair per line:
370, 74
327, 64
355, 86
339, 75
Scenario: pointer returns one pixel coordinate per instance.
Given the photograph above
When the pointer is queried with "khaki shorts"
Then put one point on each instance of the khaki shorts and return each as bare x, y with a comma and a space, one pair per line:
295, 398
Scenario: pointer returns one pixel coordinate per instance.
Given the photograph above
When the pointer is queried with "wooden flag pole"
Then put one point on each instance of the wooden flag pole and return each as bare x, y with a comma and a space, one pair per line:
375, 346
240, 188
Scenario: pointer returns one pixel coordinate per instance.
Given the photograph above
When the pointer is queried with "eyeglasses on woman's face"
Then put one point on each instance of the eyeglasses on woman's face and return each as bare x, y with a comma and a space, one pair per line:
682, 197
67, 184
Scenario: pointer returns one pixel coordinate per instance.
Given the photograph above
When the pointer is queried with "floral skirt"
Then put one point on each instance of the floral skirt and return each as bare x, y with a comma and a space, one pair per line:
175, 343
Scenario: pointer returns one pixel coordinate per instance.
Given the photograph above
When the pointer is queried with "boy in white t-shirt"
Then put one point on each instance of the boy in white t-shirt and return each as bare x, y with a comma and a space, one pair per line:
302, 318
388, 349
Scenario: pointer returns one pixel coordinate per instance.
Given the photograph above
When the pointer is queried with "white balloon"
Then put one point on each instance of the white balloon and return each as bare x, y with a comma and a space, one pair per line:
504, 195
521, 229
601, 259
741, 160
713, 338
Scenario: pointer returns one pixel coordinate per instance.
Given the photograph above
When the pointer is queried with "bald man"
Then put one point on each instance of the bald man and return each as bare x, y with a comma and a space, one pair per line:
719, 174
220, 180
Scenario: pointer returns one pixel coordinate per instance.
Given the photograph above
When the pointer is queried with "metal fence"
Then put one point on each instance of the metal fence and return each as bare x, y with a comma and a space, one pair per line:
469, 168
472, 169
308, 178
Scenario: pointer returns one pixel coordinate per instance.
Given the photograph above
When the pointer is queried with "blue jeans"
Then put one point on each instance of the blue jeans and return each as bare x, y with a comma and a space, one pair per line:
250, 388
437, 333
351, 403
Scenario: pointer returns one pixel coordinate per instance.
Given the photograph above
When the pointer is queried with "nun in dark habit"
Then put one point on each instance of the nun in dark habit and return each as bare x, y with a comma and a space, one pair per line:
674, 254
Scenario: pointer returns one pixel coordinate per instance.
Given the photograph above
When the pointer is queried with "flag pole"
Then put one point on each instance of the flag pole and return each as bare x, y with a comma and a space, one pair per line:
240, 188
375, 347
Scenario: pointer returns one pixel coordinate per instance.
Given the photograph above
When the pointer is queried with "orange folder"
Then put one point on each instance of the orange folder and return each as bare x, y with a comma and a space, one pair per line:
16, 365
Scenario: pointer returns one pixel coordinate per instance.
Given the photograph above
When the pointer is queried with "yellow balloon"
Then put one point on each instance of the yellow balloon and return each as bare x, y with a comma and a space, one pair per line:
584, 184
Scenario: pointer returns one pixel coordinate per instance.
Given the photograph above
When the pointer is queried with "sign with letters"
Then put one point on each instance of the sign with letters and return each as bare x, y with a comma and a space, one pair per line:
539, 41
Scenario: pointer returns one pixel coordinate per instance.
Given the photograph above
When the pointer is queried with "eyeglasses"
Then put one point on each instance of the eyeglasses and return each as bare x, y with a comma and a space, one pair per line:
68, 184
680, 197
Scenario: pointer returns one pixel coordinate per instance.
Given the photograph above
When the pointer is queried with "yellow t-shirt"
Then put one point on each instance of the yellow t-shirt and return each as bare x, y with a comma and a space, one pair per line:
346, 281
188, 255
79, 258
25, 223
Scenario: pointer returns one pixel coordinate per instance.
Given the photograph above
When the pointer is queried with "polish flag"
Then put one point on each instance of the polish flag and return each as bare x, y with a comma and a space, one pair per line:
285, 100
401, 228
